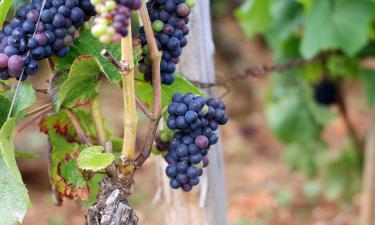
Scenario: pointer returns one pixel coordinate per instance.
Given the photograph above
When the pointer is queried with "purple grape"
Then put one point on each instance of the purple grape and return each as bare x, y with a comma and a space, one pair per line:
3, 60
15, 64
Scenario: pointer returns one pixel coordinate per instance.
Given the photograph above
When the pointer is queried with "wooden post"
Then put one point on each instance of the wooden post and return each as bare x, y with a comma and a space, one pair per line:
368, 195
206, 205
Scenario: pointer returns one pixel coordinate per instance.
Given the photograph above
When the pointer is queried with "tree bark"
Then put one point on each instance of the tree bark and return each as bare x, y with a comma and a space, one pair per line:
206, 206
368, 195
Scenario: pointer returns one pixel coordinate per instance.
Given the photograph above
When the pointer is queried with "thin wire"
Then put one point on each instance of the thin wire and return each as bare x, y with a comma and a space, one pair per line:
23, 69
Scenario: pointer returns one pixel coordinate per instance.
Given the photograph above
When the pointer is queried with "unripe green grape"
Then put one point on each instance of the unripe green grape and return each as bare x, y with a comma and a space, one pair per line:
147, 60
110, 5
99, 29
198, 165
155, 151
105, 39
157, 25
205, 109
96, 2
190, 3
146, 50
165, 136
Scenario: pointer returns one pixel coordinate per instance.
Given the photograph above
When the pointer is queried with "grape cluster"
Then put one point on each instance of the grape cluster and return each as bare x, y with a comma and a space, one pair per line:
39, 30
194, 120
112, 21
326, 92
169, 22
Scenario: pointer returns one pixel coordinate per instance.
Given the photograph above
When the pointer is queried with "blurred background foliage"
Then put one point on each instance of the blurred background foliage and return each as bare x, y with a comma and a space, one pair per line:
334, 38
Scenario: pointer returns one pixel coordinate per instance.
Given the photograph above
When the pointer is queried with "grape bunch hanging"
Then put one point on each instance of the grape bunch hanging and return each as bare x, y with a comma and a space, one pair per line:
194, 120
169, 22
40, 29
111, 23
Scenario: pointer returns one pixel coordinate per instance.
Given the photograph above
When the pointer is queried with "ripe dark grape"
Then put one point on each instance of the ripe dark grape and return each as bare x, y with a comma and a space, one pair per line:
169, 22
194, 120
37, 33
3, 60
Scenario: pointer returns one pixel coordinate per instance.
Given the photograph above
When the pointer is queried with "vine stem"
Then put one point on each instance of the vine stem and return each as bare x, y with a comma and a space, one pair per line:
345, 116
77, 126
128, 92
98, 122
155, 57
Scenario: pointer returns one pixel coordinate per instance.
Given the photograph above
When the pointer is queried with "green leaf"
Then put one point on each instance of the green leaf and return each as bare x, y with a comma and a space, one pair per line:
26, 155
81, 83
14, 199
60, 148
94, 188
286, 17
93, 159
346, 26
342, 178
291, 112
24, 99
254, 16
60, 124
5, 5
339, 65
87, 44
307, 157
368, 77
180, 85
4, 109
307, 4
71, 174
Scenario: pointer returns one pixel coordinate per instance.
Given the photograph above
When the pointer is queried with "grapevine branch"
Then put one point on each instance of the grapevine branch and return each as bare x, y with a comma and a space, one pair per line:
73, 119
155, 57
40, 109
144, 108
345, 116
259, 71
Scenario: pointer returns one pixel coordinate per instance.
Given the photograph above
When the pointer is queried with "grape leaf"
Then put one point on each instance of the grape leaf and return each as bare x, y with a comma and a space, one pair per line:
59, 149
286, 17
71, 174
307, 157
87, 44
14, 199
338, 18
94, 188
291, 111
180, 85
4, 109
24, 99
339, 65
60, 124
254, 16
5, 5
93, 159
81, 83
342, 178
